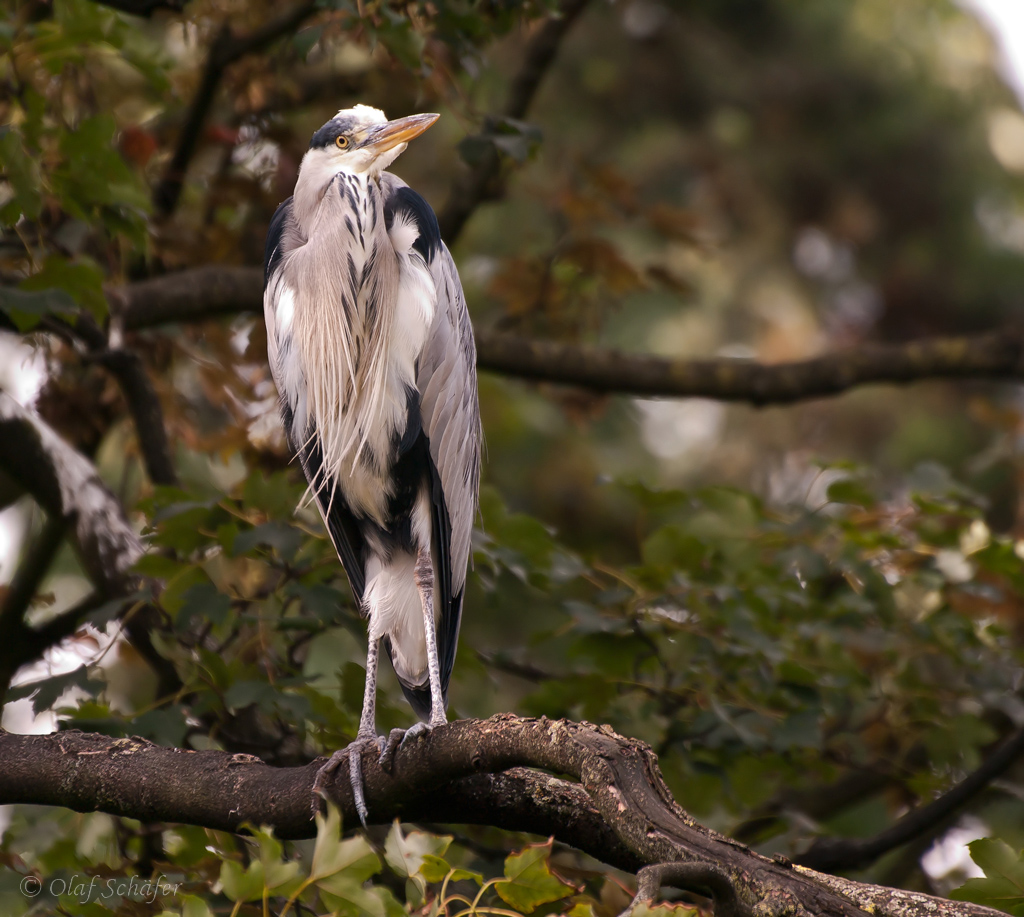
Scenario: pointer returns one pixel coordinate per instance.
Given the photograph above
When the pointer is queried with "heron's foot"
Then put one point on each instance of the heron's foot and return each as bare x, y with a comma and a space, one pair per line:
398, 739
354, 752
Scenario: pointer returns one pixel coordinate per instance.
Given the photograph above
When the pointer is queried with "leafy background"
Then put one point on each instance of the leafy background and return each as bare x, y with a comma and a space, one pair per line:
813, 613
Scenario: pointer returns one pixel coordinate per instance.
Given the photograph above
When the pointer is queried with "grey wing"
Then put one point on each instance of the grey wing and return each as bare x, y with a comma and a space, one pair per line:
450, 408
450, 412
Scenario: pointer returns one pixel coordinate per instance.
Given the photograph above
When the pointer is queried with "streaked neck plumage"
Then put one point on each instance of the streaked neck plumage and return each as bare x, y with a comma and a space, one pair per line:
319, 168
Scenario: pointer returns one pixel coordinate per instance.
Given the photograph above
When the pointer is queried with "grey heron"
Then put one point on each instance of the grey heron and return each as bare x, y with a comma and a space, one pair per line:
371, 347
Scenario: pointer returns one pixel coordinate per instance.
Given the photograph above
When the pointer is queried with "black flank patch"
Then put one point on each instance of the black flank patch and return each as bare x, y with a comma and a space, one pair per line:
408, 202
413, 421
272, 251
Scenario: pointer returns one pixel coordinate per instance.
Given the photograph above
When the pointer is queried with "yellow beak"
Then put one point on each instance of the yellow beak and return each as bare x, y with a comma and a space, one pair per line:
388, 135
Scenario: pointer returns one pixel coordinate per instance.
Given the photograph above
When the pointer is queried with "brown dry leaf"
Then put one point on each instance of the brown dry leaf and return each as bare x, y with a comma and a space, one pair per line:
673, 222
521, 284
599, 258
582, 210
666, 278
613, 185
579, 406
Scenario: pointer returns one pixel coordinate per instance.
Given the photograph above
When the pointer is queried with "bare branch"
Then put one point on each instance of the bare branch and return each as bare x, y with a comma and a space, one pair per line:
615, 804
68, 487
144, 8
484, 181
144, 407
998, 354
195, 295
835, 854
225, 50
699, 877
208, 292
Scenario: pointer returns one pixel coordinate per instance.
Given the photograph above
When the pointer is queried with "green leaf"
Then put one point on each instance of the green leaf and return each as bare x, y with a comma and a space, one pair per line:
849, 491
346, 896
46, 692
245, 692
435, 869
1003, 885
305, 39
204, 601
529, 881
82, 280
27, 309
280, 876
22, 172
242, 884
398, 36
194, 906
285, 539
405, 852
354, 858
166, 726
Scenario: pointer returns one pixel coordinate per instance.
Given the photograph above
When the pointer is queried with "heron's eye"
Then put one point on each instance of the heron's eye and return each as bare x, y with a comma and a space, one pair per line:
341, 142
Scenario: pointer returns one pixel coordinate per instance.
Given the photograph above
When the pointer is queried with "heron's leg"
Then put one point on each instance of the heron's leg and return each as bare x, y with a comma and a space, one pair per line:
424, 573
367, 735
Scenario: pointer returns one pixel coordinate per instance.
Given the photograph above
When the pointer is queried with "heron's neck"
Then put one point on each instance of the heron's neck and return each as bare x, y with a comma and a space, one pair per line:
314, 179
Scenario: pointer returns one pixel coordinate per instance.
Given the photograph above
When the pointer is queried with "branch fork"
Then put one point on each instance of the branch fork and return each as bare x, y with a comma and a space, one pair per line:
609, 801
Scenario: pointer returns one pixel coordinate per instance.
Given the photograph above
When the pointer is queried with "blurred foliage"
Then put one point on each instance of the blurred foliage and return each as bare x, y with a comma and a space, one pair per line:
785, 603
1003, 885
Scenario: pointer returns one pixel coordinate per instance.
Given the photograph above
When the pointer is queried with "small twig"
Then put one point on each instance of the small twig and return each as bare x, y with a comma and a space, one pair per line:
694, 877
840, 854
540, 54
37, 641
520, 669
484, 182
227, 48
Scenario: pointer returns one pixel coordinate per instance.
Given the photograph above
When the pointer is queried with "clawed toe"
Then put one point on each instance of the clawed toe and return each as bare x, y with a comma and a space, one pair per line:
353, 751
398, 739
322, 777
414, 732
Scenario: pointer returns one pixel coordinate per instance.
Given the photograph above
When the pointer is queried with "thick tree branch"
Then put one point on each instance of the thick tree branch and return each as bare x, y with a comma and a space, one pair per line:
225, 50
68, 487
484, 181
998, 354
833, 854
612, 798
193, 295
208, 292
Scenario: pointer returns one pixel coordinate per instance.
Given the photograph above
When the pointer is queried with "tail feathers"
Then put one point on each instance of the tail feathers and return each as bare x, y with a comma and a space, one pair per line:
418, 695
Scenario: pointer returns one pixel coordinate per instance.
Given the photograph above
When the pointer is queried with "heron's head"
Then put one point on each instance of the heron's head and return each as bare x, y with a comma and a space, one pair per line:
361, 139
